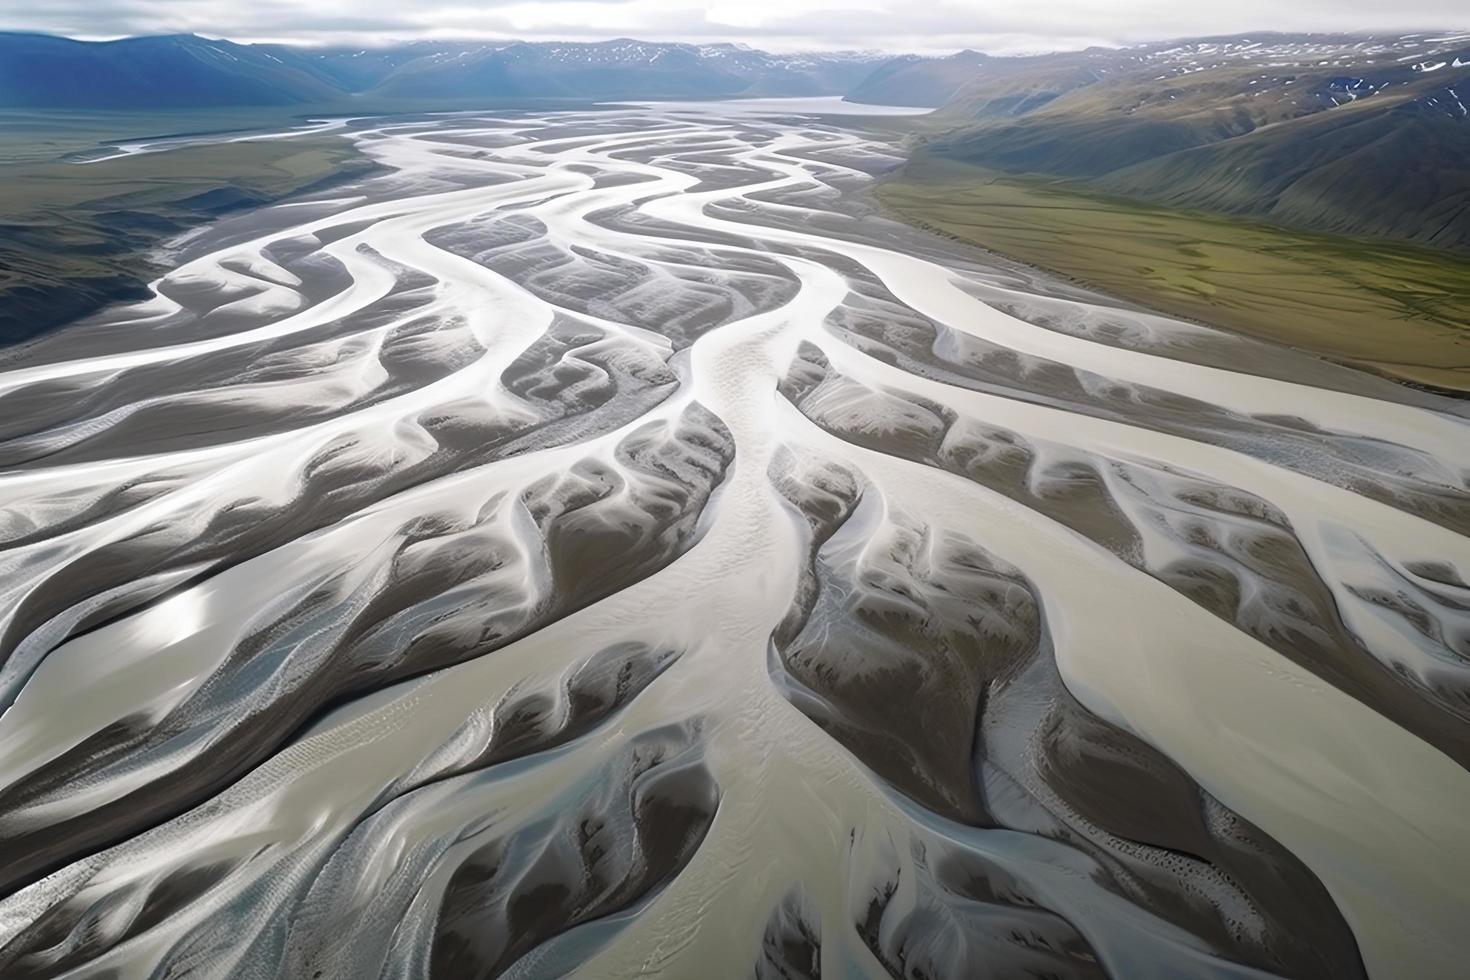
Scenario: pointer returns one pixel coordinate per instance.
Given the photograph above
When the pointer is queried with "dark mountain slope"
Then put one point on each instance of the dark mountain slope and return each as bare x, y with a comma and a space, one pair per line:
1355, 135
1398, 170
359, 69
42, 72
912, 80
623, 68
967, 84
179, 71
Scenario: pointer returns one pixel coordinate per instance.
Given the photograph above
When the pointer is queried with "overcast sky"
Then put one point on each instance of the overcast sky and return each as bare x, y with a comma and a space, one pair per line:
909, 25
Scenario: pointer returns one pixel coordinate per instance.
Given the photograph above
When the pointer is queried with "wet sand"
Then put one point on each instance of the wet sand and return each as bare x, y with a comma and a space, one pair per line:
599, 545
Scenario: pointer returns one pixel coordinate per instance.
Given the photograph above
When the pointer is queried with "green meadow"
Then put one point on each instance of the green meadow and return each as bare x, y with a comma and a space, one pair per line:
74, 235
1396, 309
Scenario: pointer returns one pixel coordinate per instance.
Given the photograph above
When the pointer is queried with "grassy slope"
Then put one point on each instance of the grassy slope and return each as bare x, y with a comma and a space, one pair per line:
1391, 171
1395, 309
1352, 145
74, 237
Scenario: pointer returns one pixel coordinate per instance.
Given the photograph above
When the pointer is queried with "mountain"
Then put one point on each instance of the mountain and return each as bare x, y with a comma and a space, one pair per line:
40, 71
624, 68
1320, 131
1351, 134
354, 70
175, 71
911, 80
1398, 169
969, 83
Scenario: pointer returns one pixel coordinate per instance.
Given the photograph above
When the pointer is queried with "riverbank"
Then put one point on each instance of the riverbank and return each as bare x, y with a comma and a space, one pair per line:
1390, 308
75, 236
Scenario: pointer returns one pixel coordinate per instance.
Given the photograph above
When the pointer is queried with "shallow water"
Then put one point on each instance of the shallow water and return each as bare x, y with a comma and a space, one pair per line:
601, 545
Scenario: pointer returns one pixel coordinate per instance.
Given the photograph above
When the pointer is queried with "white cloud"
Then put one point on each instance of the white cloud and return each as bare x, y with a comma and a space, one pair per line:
941, 25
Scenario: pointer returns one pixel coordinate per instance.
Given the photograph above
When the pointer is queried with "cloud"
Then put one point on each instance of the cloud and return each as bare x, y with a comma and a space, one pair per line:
994, 25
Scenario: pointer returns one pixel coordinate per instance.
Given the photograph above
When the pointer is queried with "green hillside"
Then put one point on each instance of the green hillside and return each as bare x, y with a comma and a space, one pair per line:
1393, 309
1395, 170
1347, 134
75, 236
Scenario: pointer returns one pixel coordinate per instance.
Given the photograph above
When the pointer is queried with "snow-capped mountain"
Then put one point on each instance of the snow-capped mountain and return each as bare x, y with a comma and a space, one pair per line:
1360, 134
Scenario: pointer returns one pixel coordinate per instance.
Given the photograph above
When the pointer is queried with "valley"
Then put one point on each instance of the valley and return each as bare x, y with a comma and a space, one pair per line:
598, 543
476, 507
1304, 158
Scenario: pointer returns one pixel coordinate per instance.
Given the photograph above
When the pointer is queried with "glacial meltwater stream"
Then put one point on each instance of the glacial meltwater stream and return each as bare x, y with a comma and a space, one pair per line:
601, 545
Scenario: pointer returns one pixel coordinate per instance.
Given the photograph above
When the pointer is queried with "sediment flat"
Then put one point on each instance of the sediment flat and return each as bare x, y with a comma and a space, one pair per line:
600, 543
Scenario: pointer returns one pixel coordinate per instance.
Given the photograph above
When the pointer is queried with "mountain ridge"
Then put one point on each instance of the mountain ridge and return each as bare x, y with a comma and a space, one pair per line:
41, 71
1313, 131
1351, 134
